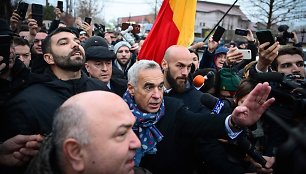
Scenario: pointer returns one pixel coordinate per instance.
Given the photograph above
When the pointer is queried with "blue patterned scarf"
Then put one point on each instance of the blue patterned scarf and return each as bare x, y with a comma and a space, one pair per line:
145, 128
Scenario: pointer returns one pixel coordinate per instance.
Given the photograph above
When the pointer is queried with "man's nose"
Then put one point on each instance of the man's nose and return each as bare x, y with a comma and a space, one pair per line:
184, 71
135, 142
295, 68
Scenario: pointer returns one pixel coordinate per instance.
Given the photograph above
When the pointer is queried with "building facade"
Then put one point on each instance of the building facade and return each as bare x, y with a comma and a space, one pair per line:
209, 13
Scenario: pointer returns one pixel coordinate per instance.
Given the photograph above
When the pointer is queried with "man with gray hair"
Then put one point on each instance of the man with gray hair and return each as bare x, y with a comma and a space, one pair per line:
92, 133
167, 129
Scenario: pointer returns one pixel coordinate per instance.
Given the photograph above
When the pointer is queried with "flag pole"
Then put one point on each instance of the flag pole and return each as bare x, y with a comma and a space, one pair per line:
219, 21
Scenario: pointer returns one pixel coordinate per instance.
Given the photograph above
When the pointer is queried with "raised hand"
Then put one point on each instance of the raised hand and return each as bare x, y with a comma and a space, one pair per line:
253, 107
266, 56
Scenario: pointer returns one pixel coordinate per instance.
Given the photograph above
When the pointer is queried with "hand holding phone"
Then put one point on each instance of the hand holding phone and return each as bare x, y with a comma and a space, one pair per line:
218, 33
88, 20
264, 36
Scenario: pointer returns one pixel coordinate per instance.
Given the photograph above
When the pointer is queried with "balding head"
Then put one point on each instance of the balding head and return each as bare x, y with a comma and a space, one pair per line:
92, 101
177, 52
95, 119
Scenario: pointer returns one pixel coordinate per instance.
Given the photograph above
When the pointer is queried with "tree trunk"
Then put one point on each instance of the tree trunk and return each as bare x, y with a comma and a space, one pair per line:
269, 23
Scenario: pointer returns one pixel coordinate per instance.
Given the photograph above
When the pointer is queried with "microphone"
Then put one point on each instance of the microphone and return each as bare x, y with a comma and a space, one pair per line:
216, 105
199, 80
248, 148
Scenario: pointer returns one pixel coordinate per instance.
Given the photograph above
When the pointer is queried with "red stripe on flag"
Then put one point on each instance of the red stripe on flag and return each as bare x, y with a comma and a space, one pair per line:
163, 34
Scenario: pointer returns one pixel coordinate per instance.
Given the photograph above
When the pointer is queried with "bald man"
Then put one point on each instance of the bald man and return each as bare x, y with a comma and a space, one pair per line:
92, 133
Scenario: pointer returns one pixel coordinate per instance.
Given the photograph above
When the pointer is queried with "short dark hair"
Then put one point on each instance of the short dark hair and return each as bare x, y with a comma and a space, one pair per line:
46, 45
195, 52
20, 41
291, 50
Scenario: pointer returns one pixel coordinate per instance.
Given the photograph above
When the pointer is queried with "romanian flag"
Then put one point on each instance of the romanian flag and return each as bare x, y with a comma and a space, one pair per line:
174, 25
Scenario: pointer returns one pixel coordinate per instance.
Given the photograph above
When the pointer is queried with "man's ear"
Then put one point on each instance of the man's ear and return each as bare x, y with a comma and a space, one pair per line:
131, 89
87, 67
164, 64
49, 58
74, 154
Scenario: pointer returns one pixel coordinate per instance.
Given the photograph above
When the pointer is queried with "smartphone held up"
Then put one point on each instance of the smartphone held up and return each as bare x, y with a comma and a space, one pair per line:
218, 33
241, 32
264, 36
22, 9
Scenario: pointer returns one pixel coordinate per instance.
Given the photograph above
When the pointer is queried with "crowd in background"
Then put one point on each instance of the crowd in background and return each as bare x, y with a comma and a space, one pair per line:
47, 67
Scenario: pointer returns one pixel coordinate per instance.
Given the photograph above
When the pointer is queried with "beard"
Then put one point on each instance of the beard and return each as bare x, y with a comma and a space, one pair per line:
177, 87
66, 63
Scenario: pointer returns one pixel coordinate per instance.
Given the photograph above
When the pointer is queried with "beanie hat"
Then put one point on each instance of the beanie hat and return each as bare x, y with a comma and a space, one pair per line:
229, 80
121, 44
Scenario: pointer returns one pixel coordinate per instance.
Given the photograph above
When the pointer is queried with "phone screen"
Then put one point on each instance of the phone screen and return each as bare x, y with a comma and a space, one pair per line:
264, 36
218, 33
5, 44
60, 5
22, 9
37, 13
88, 20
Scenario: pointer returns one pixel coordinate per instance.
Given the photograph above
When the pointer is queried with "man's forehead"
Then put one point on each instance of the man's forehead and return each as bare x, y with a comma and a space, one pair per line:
287, 58
181, 57
124, 48
40, 35
61, 35
154, 76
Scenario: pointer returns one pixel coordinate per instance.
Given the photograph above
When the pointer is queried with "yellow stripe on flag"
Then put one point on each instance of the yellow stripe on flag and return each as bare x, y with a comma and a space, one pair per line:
184, 18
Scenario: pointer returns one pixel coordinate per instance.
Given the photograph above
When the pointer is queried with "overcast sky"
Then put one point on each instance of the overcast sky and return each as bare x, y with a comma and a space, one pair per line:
115, 8
124, 8
121, 8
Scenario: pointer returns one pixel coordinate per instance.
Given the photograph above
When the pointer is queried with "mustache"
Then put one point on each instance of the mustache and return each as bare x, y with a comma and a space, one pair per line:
75, 50
182, 77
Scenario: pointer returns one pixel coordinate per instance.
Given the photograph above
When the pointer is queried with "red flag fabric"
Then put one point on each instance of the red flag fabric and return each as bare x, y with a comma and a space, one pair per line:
174, 25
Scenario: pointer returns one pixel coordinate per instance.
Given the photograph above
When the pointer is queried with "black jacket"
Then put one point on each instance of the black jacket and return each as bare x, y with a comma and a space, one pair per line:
32, 110
208, 150
180, 127
38, 64
19, 77
118, 86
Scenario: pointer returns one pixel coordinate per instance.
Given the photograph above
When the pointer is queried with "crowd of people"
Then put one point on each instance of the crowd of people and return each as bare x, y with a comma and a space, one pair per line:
73, 101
